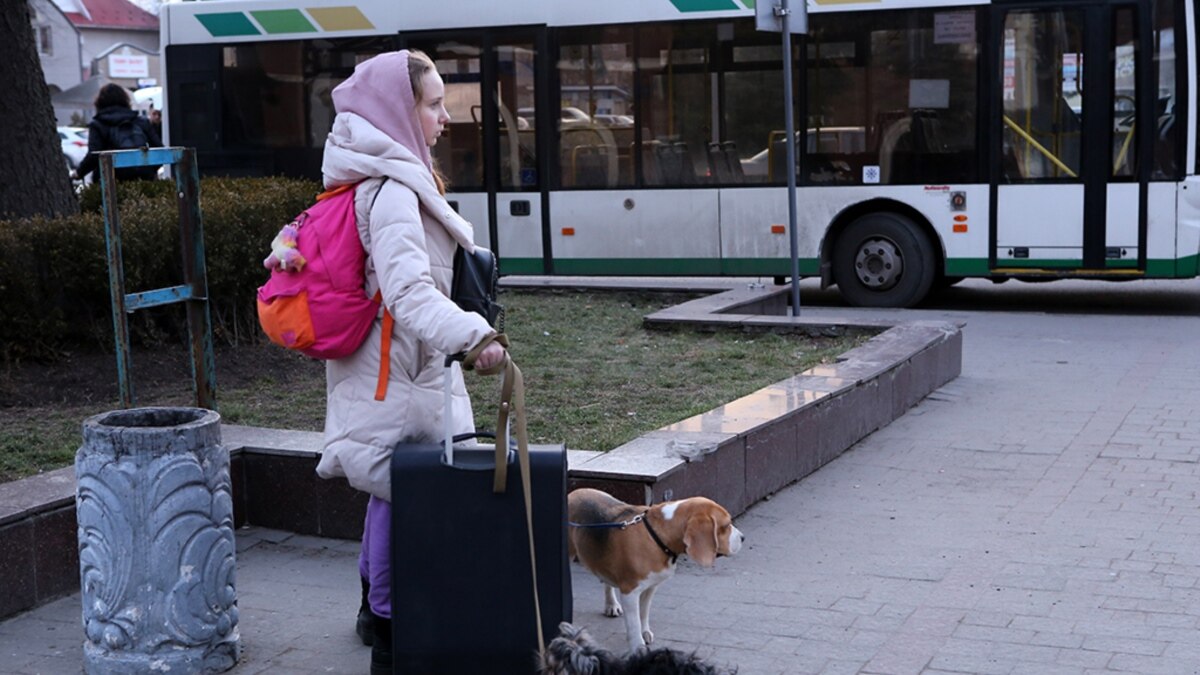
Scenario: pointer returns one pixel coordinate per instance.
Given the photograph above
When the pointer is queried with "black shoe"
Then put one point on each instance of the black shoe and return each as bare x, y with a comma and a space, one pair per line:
381, 651
365, 625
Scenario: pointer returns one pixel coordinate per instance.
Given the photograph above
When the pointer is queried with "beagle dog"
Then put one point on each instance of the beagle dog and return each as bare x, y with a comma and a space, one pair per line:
633, 549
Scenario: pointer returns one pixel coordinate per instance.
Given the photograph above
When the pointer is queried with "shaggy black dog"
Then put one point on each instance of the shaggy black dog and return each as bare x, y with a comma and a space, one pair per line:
575, 653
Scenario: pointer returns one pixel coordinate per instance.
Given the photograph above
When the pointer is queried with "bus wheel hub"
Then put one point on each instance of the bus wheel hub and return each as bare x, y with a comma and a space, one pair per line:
878, 264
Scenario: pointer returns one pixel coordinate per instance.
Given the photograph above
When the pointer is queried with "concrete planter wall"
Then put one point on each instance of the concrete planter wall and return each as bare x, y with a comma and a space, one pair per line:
798, 425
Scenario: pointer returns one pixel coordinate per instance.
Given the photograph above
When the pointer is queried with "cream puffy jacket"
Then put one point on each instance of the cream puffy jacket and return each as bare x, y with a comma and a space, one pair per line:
410, 233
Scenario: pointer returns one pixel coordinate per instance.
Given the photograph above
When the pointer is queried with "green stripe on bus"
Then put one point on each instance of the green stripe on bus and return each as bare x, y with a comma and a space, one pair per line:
638, 266
768, 267
227, 24
1040, 263
521, 266
1186, 267
282, 21
967, 267
340, 18
704, 5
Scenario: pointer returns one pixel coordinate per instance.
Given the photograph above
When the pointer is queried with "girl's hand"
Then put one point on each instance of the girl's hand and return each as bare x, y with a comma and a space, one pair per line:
491, 356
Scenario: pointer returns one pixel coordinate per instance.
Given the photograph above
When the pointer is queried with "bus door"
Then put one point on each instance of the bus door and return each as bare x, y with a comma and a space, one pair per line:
1069, 189
490, 151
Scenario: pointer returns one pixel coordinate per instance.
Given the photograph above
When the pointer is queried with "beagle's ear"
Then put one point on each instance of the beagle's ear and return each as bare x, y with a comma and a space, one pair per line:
700, 538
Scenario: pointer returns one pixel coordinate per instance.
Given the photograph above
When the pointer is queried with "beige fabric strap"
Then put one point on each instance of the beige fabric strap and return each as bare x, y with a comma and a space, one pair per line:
512, 400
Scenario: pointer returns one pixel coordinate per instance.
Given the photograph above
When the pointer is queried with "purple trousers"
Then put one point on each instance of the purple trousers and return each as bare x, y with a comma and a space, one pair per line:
375, 558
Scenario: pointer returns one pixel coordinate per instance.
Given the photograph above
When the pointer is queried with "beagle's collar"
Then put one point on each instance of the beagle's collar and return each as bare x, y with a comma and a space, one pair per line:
671, 555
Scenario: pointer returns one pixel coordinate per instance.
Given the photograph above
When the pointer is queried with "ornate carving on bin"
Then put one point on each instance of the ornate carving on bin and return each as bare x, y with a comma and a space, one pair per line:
156, 545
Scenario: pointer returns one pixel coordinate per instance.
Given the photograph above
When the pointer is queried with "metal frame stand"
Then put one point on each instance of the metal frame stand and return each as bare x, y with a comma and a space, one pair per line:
194, 290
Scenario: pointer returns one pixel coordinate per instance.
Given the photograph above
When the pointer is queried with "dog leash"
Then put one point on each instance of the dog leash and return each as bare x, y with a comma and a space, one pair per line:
512, 399
622, 524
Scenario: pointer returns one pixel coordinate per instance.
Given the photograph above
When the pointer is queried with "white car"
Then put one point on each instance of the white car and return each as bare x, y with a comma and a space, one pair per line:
74, 144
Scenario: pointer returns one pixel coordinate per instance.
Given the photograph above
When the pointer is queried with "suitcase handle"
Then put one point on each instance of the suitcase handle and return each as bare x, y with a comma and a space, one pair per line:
481, 459
447, 398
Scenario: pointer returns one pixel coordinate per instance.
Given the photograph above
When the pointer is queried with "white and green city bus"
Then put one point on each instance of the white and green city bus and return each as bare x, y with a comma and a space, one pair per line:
937, 140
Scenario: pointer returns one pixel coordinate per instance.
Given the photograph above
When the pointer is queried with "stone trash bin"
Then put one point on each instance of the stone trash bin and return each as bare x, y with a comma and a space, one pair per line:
156, 548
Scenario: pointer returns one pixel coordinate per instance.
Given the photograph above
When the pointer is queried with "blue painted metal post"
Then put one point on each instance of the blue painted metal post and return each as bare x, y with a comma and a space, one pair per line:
116, 278
194, 290
195, 277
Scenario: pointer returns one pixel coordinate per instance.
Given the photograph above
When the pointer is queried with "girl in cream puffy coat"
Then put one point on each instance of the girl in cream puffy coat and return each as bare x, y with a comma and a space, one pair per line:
390, 111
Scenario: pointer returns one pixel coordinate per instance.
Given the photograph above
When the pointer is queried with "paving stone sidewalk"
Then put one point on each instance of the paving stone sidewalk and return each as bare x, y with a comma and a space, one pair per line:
1037, 515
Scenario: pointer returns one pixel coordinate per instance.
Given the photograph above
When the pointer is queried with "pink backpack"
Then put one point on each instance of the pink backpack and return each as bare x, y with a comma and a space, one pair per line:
314, 301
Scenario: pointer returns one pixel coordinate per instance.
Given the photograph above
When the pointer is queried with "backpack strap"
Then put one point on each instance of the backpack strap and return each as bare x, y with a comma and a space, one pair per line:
336, 191
385, 341
385, 353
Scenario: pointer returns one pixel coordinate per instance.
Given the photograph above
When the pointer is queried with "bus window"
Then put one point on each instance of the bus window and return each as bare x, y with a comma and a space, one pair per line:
677, 116
892, 97
752, 105
1125, 95
514, 95
1043, 95
1167, 148
263, 87
595, 136
460, 151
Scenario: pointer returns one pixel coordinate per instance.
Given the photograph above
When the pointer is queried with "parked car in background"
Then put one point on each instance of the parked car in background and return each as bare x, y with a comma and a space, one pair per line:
614, 120
74, 144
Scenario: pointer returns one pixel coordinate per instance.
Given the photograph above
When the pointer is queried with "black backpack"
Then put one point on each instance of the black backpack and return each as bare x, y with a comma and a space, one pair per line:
129, 135
474, 285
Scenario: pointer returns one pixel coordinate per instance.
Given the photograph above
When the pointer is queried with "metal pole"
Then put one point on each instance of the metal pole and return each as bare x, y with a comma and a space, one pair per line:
116, 278
784, 13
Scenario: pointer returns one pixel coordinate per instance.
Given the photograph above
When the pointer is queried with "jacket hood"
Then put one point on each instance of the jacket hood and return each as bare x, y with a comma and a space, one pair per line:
356, 150
114, 115
381, 92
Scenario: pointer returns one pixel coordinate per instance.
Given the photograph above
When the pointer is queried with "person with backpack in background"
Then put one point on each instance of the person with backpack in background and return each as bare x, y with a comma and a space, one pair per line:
390, 112
116, 126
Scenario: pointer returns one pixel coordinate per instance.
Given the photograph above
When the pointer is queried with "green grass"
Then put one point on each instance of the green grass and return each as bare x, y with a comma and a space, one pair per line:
595, 379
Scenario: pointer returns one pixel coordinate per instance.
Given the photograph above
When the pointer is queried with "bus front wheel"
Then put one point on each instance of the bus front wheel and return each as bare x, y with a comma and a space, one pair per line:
883, 260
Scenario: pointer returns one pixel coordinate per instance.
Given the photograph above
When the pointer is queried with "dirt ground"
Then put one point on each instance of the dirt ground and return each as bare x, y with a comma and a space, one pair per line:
160, 375
42, 405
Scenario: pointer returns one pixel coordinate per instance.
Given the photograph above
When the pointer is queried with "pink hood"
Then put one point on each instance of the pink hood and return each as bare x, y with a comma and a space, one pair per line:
380, 92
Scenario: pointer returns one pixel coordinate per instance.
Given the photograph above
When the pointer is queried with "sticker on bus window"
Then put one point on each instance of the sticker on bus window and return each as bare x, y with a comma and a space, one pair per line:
870, 174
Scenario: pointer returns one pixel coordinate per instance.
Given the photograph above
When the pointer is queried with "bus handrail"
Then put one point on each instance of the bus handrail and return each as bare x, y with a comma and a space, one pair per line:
1124, 148
1039, 147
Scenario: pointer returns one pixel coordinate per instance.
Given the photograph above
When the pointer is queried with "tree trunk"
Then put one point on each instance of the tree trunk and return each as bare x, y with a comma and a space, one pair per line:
33, 171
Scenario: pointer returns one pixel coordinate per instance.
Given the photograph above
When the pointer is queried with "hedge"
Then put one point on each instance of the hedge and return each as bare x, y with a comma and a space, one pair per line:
54, 274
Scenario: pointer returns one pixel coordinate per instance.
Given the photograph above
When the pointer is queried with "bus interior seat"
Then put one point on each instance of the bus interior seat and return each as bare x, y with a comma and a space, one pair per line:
724, 165
674, 164
717, 168
651, 172
590, 166
733, 161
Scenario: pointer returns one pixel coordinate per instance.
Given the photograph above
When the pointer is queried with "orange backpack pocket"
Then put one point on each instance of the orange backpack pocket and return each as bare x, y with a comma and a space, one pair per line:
287, 320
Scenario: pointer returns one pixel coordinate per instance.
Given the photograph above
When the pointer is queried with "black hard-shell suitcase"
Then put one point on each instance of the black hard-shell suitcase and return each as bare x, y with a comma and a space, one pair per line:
462, 593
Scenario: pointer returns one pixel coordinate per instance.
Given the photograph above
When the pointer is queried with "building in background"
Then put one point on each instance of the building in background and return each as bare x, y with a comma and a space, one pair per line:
60, 46
100, 41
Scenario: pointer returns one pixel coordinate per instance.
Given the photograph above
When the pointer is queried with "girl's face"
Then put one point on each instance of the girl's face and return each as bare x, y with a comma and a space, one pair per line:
431, 109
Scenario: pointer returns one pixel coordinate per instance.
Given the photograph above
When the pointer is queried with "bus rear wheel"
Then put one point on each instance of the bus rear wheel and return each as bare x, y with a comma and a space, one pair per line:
883, 260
